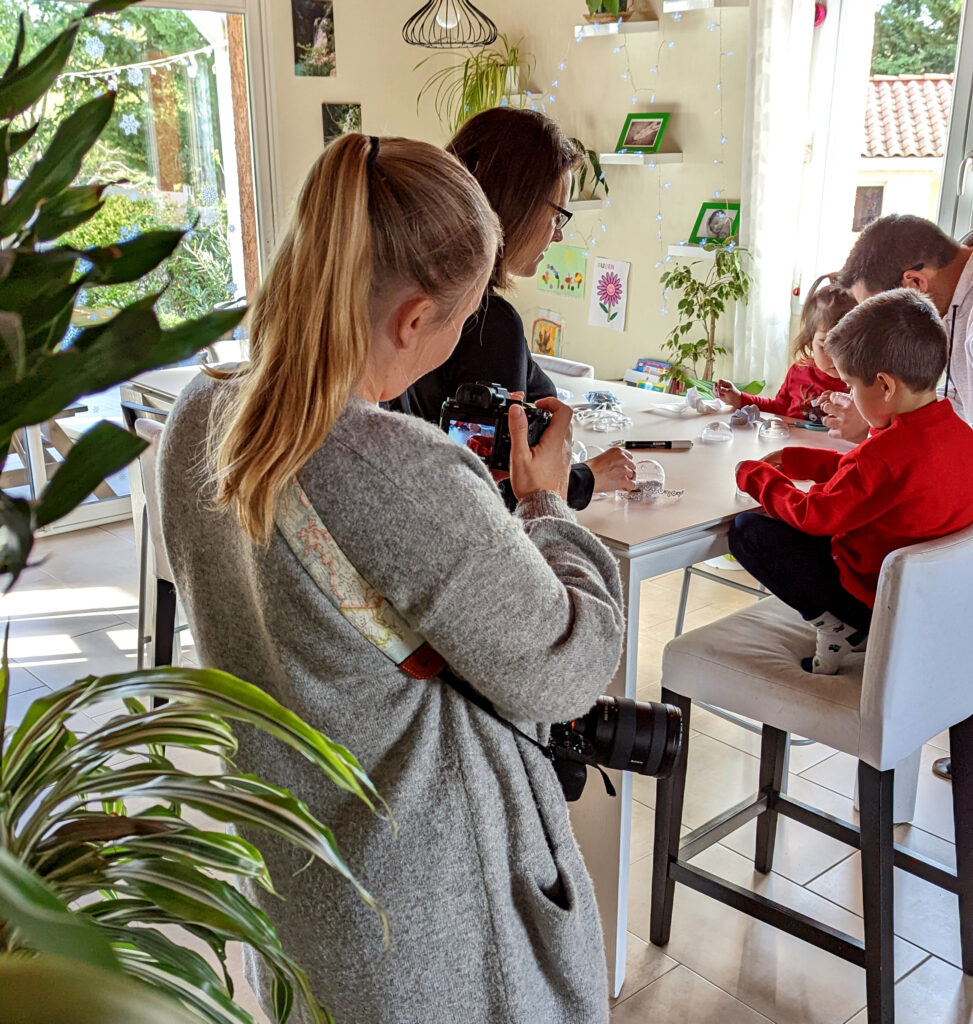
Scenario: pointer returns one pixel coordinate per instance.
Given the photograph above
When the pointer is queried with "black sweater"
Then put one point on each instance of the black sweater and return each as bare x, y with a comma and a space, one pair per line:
492, 347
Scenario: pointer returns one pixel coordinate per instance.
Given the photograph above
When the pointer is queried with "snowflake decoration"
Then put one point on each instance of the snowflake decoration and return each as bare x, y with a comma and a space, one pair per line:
130, 124
126, 26
209, 196
134, 76
82, 296
231, 228
130, 232
231, 289
85, 265
94, 47
239, 334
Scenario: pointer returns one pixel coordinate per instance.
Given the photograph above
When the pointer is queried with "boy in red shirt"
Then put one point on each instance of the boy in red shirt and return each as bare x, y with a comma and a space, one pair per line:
908, 481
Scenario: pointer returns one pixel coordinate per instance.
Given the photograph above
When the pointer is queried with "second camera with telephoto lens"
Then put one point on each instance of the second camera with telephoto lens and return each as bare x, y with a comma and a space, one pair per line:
477, 419
631, 735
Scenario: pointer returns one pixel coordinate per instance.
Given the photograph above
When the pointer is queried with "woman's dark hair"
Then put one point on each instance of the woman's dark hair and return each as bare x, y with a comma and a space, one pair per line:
890, 246
824, 306
897, 332
518, 157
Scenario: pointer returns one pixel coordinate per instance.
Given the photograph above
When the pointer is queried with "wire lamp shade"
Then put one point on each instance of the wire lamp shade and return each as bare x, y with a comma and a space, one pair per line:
443, 24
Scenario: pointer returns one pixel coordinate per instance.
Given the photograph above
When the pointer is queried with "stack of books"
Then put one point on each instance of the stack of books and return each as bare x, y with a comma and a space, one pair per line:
648, 374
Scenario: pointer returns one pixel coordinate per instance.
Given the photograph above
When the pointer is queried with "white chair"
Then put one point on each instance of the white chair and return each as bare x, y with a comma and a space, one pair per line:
913, 682
567, 367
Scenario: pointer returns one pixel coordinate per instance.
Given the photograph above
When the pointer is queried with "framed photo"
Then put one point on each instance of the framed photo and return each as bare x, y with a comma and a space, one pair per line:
314, 46
715, 222
642, 133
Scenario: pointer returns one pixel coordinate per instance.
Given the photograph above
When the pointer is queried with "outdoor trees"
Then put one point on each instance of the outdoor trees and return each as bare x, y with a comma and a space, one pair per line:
914, 37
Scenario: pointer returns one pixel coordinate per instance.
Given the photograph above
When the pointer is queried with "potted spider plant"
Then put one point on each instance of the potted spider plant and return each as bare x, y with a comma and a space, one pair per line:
485, 78
104, 866
590, 177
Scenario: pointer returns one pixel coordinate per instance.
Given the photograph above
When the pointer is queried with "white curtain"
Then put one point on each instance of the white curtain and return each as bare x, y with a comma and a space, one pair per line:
774, 149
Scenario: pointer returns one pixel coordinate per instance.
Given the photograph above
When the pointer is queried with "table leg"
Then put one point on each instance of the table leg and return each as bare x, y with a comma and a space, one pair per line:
603, 826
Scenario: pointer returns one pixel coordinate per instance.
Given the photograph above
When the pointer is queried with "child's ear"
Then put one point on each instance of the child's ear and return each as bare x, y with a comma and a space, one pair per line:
890, 385
917, 279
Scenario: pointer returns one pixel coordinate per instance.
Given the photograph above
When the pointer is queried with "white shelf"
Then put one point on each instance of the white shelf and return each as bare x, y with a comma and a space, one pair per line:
523, 99
640, 159
614, 28
674, 6
696, 251
581, 205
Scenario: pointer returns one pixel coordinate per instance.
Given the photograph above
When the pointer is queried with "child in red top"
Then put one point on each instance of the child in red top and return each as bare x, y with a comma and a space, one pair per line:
821, 551
812, 373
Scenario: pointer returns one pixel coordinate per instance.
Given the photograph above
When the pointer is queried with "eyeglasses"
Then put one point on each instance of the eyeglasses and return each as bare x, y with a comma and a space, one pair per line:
563, 216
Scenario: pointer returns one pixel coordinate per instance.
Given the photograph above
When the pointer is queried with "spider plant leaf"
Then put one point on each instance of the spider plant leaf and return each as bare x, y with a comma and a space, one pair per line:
215, 850
41, 922
58, 990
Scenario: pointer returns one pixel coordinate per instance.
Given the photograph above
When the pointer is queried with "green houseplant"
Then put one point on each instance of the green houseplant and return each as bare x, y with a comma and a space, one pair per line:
702, 301
485, 78
607, 7
100, 842
590, 177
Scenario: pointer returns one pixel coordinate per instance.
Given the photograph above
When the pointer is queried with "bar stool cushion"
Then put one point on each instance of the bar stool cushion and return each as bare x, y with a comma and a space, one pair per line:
750, 663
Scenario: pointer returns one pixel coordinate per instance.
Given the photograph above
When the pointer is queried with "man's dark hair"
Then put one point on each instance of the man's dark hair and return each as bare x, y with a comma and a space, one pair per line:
890, 246
518, 157
896, 332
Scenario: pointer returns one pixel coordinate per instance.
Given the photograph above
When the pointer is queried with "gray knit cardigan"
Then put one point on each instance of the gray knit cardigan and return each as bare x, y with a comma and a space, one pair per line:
492, 913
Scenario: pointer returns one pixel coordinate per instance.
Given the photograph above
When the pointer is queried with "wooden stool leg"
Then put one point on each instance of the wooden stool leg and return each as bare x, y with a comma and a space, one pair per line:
773, 756
961, 756
669, 796
165, 628
875, 795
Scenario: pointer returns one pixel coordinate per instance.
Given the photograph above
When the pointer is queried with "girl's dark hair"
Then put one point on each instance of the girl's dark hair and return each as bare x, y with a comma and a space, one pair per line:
825, 305
518, 157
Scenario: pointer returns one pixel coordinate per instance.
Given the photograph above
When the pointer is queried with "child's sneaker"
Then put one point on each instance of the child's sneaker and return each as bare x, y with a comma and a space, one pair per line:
835, 641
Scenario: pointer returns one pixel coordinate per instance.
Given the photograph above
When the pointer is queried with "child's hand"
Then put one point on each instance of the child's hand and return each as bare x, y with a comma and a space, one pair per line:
726, 392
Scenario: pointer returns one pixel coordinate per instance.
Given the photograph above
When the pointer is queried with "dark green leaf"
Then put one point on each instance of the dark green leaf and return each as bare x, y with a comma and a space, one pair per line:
26, 85
106, 7
16, 537
101, 451
43, 923
66, 211
18, 51
60, 163
17, 140
13, 354
128, 261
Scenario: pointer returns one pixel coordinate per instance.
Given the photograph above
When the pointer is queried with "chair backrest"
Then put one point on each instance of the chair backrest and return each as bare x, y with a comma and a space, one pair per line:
567, 367
917, 678
151, 431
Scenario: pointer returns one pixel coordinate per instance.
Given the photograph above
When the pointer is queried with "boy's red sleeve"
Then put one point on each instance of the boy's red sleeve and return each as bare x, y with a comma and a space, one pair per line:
817, 464
847, 501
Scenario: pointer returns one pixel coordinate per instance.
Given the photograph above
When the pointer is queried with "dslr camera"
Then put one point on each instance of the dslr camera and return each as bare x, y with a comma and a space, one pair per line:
477, 419
631, 735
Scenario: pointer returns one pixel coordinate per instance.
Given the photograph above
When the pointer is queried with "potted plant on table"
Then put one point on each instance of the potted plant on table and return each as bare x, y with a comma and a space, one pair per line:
87, 883
486, 78
703, 299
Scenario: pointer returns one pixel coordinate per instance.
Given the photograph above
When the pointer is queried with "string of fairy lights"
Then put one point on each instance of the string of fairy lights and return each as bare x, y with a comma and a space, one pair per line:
641, 91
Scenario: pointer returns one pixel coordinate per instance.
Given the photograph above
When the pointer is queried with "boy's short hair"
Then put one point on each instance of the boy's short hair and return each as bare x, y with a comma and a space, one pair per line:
897, 332
890, 246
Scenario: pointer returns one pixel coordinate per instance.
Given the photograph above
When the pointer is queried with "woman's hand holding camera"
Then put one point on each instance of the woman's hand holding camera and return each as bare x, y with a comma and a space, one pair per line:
545, 466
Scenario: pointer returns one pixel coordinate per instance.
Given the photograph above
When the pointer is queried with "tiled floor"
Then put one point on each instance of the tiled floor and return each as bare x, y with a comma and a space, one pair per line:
75, 614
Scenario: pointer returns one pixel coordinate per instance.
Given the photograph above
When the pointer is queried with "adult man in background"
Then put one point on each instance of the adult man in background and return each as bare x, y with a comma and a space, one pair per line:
904, 251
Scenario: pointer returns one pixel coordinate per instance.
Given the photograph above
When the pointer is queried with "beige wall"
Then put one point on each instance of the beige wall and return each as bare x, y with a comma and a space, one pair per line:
375, 68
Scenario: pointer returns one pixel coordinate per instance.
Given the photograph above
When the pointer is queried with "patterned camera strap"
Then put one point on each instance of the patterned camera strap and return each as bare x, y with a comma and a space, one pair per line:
362, 605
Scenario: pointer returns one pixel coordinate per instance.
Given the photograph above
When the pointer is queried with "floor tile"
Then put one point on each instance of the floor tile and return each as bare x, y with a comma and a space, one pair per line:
644, 963
778, 975
80, 556
682, 997
21, 679
925, 915
934, 993
19, 702
123, 530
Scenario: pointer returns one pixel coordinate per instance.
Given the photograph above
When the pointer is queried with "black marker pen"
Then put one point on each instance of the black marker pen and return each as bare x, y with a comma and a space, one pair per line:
664, 445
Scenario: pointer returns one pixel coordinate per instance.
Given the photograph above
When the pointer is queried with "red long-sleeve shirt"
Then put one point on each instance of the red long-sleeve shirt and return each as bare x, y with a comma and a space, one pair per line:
803, 382
907, 483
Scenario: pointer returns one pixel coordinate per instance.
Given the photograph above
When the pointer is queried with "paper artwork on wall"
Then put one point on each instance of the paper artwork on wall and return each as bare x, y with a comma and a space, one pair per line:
340, 118
609, 294
314, 45
562, 271
545, 333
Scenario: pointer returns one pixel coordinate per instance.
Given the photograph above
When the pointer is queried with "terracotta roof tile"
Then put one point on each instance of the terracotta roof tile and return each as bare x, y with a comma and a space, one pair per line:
907, 115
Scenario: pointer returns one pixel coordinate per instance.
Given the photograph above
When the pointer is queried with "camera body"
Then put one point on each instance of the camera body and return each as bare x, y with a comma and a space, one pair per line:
632, 735
477, 419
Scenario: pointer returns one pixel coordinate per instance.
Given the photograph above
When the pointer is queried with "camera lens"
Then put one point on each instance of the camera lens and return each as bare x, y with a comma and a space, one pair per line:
633, 735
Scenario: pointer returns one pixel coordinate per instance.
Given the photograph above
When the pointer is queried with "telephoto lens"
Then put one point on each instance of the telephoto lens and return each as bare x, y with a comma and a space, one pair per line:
633, 735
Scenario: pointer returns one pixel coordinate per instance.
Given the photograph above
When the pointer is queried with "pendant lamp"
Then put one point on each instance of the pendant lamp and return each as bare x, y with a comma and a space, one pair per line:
443, 24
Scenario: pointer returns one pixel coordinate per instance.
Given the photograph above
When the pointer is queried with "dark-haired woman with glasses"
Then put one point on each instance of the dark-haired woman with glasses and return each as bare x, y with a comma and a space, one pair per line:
523, 162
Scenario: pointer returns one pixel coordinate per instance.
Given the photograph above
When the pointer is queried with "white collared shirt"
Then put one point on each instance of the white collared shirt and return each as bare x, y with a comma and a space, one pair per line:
959, 320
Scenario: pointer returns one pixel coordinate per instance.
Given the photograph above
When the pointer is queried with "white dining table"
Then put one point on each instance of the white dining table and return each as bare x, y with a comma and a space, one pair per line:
648, 539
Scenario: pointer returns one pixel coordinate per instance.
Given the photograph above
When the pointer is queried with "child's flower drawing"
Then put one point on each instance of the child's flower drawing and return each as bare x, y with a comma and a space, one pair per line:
609, 293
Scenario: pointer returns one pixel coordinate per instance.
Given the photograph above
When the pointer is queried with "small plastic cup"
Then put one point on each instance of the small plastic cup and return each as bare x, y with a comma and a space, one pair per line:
716, 433
774, 429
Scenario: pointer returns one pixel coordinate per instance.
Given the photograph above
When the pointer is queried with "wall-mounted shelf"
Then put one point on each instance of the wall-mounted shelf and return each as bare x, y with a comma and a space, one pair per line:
615, 28
581, 205
522, 99
640, 159
693, 251
674, 6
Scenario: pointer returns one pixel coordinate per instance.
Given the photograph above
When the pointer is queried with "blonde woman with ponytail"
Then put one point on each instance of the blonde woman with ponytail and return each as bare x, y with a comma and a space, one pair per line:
332, 551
